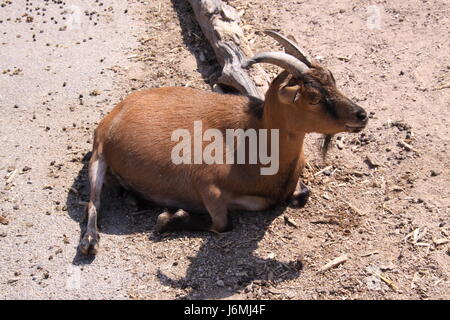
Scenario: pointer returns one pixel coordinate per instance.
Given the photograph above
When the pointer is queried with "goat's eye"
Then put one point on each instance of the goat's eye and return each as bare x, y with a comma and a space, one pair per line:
316, 99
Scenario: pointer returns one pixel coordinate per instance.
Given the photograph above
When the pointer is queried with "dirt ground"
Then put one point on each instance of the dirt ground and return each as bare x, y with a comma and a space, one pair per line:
380, 197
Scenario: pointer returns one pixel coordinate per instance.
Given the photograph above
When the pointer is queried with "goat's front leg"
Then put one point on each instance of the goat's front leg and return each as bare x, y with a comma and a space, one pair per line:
90, 238
300, 198
215, 203
182, 220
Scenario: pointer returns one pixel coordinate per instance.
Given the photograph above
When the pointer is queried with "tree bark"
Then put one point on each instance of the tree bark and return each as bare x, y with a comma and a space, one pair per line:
220, 25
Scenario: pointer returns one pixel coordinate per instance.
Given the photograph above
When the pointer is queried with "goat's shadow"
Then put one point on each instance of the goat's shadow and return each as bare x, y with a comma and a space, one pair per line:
224, 265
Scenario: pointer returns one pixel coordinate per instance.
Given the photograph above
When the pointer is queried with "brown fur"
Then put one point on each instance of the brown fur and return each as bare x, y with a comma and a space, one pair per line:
134, 142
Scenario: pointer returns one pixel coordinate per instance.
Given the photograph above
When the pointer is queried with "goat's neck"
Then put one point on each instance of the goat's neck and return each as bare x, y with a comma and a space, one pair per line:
290, 139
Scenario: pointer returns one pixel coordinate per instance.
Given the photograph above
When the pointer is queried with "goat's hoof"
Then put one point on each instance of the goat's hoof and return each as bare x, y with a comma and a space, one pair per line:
89, 243
162, 222
171, 222
223, 229
181, 215
300, 198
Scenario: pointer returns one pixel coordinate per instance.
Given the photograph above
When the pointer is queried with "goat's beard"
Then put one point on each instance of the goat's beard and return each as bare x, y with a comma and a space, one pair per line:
326, 145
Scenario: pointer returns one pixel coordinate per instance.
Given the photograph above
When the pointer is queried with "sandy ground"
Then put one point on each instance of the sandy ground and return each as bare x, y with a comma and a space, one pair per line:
64, 65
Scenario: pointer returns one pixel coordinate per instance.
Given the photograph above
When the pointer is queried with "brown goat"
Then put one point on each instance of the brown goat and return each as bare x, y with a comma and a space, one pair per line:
135, 142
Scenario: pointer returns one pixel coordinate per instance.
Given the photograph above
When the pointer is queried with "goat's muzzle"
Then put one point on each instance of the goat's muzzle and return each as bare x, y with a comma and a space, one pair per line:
359, 120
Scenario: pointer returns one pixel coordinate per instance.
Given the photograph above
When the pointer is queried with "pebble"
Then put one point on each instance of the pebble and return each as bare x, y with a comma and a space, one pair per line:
220, 283
434, 173
372, 162
387, 266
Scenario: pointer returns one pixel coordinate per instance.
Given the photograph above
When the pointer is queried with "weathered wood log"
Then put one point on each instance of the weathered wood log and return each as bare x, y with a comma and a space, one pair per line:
220, 25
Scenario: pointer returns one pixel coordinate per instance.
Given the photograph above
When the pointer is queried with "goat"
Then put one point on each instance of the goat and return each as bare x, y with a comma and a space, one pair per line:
134, 142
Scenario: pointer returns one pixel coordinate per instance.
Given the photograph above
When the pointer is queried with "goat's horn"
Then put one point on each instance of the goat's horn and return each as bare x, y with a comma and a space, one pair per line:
289, 46
281, 59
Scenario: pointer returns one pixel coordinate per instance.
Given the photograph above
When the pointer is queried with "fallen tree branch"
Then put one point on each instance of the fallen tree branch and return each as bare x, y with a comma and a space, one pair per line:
220, 25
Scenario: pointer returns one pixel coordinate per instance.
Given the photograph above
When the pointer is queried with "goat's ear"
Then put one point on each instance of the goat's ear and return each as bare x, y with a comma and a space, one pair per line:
290, 94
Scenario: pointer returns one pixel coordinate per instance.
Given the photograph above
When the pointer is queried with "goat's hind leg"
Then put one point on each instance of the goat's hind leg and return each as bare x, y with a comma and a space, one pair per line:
182, 220
97, 171
215, 218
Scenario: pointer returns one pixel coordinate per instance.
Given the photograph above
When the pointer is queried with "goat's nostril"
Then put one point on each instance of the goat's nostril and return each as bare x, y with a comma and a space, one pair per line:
361, 115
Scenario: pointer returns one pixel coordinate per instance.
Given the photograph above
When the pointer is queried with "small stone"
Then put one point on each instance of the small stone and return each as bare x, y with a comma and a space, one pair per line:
434, 173
201, 57
94, 93
357, 174
388, 266
372, 162
220, 283
441, 241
